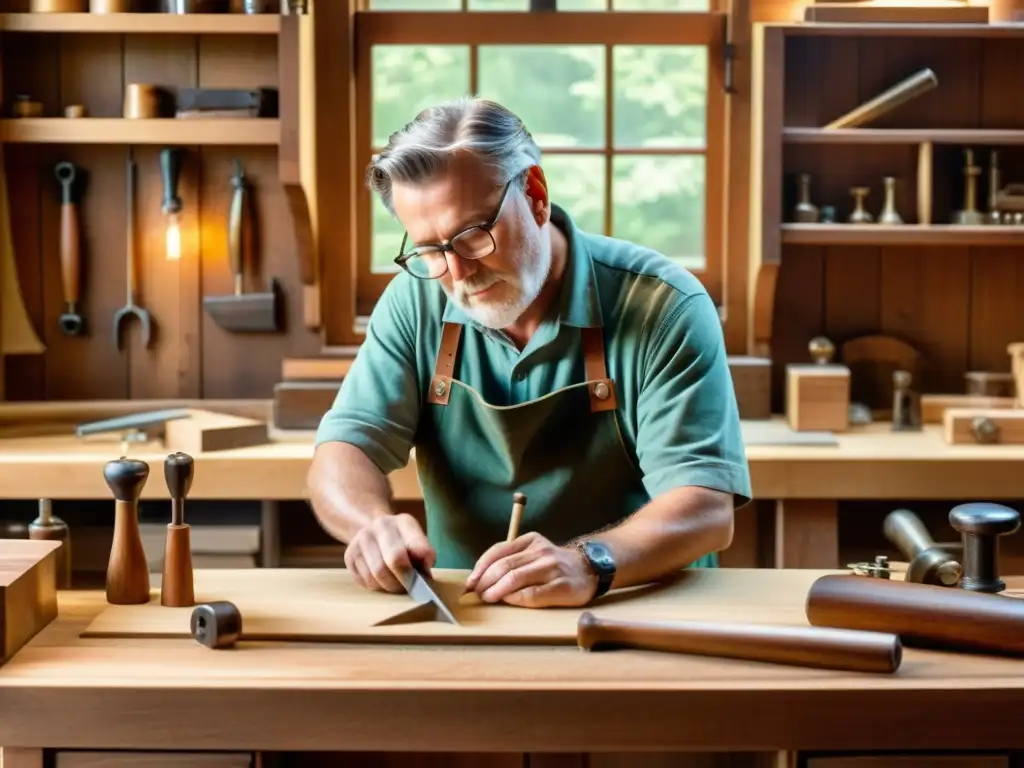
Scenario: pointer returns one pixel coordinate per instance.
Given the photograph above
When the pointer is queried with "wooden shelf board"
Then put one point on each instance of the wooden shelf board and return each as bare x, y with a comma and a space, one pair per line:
101, 130
899, 29
907, 234
900, 136
126, 23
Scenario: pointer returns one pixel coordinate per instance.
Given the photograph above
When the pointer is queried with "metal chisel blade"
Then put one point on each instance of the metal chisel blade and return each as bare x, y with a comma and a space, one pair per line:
420, 590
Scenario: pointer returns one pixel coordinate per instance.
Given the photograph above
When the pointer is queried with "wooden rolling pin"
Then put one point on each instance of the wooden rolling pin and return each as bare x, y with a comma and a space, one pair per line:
799, 646
923, 615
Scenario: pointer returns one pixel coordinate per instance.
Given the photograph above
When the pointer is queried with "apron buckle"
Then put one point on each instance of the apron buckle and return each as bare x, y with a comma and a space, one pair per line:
601, 391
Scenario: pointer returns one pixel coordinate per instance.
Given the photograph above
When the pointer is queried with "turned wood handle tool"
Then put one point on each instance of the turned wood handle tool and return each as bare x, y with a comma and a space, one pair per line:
857, 651
130, 307
71, 323
127, 569
176, 586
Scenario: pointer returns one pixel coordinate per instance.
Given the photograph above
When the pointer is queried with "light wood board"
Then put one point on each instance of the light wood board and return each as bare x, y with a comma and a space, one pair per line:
28, 591
327, 605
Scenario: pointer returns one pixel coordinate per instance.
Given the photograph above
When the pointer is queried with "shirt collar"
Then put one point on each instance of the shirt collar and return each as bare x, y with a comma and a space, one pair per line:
578, 302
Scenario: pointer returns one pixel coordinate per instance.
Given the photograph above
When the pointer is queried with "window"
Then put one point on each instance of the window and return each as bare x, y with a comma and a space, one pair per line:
625, 101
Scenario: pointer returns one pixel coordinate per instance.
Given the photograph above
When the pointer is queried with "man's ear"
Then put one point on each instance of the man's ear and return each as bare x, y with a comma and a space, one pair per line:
537, 195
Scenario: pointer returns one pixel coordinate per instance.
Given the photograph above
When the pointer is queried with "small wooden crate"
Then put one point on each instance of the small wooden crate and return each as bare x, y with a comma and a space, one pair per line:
28, 591
818, 397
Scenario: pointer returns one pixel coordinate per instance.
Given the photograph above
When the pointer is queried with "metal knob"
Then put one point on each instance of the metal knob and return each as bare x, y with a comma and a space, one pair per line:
981, 524
928, 563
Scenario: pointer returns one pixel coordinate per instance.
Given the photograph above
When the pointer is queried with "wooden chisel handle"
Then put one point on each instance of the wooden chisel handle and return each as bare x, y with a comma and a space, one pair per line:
70, 245
800, 646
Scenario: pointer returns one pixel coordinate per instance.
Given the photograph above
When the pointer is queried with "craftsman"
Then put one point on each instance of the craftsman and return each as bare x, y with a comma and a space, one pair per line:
478, 355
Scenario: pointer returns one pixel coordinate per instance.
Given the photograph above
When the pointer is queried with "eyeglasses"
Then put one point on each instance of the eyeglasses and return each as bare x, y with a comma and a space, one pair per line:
429, 262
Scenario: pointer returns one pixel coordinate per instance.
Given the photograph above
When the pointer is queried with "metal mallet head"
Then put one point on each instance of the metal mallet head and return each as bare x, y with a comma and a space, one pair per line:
217, 624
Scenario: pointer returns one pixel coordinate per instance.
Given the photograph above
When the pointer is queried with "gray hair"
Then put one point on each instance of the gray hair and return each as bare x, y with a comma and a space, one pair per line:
428, 144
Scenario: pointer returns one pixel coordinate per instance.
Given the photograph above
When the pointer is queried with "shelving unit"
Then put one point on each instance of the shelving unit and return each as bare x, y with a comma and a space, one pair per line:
182, 131
143, 23
896, 136
906, 234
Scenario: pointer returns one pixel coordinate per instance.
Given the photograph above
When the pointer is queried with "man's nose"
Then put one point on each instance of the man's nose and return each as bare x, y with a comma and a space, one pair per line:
459, 267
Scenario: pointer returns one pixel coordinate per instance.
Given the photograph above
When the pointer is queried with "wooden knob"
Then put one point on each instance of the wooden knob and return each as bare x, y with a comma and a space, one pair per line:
126, 478
217, 624
179, 469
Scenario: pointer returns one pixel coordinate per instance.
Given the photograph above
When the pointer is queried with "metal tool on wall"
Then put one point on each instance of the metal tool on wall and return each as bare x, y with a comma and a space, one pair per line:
68, 174
131, 308
244, 312
170, 170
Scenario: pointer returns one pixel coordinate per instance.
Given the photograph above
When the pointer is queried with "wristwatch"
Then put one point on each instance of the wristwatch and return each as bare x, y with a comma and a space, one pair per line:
601, 562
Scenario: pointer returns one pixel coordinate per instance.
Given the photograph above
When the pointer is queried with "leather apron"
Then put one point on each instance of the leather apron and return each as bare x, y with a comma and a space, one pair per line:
563, 450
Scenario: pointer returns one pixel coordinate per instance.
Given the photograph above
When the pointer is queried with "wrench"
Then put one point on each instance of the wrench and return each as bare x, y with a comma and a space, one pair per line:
131, 308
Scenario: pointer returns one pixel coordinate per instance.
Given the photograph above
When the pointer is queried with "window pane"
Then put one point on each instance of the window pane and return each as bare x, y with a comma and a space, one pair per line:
658, 201
576, 185
660, 95
415, 5
661, 5
499, 5
409, 78
385, 238
557, 90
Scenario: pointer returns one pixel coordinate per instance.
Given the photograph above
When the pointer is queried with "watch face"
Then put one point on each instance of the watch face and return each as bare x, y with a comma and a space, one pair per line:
600, 556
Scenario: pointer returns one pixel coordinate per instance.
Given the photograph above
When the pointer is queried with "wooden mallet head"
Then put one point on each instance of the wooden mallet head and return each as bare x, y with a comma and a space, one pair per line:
217, 624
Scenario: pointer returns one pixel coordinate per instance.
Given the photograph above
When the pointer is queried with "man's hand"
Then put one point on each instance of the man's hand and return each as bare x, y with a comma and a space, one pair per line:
532, 572
380, 552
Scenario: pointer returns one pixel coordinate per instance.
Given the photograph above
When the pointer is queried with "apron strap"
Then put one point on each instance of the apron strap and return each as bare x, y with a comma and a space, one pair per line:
441, 384
600, 388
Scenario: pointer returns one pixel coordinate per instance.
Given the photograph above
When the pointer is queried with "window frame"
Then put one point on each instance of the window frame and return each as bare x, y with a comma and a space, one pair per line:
607, 28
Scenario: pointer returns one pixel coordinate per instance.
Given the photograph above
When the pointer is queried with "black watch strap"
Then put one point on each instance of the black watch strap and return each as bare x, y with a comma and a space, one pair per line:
601, 562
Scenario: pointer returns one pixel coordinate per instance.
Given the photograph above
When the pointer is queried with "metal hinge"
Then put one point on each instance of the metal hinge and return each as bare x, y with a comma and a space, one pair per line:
728, 57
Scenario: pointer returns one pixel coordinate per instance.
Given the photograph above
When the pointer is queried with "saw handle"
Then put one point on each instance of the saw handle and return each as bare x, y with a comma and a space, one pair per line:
799, 646
70, 245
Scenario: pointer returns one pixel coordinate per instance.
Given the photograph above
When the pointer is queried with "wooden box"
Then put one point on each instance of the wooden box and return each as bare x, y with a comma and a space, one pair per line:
752, 381
818, 397
28, 591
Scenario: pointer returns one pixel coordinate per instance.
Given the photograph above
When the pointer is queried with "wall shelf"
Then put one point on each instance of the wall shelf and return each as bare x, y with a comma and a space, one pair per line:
900, 136
177, 131
906, 234
140, 23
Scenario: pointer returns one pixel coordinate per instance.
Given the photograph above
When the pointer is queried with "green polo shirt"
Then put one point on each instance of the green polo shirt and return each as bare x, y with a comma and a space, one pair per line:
664, 346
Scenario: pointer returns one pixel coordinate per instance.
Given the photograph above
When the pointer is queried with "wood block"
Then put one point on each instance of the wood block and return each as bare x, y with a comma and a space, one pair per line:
302, 404
933, 407
989, 383
752, 380
818, 396
89, 759
28, 591
315, 369
207, 431
869, 13
1016, 353
959, 426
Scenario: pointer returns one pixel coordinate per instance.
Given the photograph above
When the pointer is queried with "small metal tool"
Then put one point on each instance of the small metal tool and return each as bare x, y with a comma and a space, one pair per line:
981, 524
929, 563
131, 308
429, 605
879, 569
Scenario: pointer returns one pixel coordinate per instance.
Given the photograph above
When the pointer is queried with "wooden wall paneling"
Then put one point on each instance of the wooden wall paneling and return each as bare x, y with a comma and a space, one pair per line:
997, 274
247, 365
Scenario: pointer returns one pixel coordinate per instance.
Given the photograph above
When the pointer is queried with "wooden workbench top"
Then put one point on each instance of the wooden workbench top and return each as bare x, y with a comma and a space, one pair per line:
65, 691
868, 462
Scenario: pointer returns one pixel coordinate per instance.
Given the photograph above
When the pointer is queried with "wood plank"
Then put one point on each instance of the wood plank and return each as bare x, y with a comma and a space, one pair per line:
28, 591
806, 534
251, 131
293, 604
21, 757
957, 136
136, 759
934, 235
139, 23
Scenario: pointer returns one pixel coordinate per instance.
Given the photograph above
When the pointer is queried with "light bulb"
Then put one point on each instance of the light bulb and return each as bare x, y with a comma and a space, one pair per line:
173, 238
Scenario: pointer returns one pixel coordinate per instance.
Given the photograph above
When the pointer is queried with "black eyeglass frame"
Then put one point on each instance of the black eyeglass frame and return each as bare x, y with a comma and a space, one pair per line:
405, 256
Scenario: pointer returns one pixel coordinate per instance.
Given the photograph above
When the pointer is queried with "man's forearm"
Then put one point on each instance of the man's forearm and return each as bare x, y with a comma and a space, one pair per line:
668, 534
346, 489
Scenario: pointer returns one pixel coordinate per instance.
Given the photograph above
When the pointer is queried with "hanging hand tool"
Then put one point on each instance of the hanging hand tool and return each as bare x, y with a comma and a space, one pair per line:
71, 322
244, 312
131, 308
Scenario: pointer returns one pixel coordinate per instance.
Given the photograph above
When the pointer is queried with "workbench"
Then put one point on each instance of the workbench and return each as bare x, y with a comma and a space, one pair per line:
63, 692
805, 482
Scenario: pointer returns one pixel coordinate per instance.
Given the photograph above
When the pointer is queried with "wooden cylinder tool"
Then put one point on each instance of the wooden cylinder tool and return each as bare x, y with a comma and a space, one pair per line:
127, 570
905, 90
798, 646
923, 615
51, 528
70, 248
176, 587
518, 505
